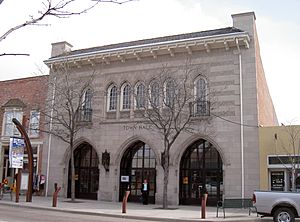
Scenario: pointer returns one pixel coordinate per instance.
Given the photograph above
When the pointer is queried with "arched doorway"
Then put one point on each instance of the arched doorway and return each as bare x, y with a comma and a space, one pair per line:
200, 171
86, 172
138, 163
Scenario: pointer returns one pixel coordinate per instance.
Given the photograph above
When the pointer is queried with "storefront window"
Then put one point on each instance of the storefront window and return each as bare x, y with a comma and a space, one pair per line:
297, 181
298, 184
9, 128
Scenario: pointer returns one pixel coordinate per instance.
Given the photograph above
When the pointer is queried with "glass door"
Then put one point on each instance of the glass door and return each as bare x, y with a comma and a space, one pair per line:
200, 172
86, 173
138, 163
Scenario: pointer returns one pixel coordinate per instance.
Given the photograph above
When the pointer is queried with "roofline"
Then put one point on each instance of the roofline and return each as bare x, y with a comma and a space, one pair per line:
88, 54
24, 78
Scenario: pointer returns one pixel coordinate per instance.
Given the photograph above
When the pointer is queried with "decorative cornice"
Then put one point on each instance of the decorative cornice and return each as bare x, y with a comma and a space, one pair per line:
138, 52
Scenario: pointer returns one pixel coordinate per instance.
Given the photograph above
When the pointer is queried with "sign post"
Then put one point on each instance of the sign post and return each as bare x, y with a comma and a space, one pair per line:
30, 158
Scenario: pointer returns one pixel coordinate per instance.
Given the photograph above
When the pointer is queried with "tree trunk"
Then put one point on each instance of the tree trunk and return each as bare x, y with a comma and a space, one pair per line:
293, 180
166, 180
72, 174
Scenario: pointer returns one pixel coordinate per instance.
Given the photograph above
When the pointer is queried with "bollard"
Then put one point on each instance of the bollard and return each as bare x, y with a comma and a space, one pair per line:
203, 205
55, 194
1, 190
125, 201
18, 177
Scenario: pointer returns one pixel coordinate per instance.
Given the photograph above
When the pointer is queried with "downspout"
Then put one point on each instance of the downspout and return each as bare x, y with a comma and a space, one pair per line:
2, 162
242, 119
50, 139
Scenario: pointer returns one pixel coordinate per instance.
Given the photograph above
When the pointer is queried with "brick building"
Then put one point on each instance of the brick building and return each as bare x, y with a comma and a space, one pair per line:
21, 99
225, 61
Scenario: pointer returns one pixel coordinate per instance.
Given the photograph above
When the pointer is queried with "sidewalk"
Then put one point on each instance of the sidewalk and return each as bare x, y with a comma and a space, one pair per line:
134, 210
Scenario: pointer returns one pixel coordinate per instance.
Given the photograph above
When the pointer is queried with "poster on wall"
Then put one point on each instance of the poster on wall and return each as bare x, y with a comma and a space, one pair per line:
16, 152
24, 181
277, 181
124, 178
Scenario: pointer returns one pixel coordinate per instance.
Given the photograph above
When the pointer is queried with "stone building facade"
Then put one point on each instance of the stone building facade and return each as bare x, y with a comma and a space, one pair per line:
226, 61
22, 99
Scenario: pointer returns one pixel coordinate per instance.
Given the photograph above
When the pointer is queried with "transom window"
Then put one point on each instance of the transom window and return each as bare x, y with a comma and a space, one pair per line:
283, 160
144, 158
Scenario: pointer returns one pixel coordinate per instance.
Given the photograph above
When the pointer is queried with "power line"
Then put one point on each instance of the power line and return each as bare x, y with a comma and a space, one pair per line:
233, 122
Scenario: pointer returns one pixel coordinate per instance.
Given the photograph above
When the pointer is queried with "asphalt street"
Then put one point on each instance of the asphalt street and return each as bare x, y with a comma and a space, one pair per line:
19, 214
23, 214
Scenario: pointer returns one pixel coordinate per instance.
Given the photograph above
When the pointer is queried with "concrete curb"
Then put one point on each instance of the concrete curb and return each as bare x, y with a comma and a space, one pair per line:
126, 216
101, 214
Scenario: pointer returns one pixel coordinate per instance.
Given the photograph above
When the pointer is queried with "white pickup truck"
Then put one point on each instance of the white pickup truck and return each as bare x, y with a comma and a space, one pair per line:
282, 206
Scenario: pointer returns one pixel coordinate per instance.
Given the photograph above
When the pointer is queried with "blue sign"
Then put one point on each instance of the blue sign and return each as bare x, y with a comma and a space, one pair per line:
16, 152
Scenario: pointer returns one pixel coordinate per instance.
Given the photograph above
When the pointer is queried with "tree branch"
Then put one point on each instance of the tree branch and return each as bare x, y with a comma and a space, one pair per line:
112, 1
58, 10
14, 54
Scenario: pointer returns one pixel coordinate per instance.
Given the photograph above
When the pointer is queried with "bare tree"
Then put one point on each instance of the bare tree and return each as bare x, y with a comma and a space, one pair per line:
68, 109
171, 107
288, 151
59, 9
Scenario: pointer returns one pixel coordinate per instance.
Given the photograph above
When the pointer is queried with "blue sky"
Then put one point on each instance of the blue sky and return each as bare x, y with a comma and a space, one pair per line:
278, 26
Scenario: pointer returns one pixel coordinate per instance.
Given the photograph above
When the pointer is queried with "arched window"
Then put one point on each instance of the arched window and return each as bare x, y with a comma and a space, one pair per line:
112, 98
154, 94
126, 97
140, 96
86, 107
87, 99
170, 93
201, 103
200, 87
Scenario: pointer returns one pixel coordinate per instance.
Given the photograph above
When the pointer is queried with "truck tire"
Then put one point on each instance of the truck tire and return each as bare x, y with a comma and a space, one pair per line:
284, 215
